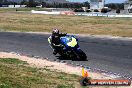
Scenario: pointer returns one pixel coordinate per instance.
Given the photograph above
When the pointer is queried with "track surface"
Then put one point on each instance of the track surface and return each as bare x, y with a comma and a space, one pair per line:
106, 54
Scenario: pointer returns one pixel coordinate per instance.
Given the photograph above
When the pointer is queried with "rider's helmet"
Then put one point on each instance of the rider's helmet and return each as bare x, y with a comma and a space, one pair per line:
55, 32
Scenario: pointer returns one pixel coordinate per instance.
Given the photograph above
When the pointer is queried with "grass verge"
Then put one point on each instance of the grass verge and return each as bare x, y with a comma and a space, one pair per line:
21, 9
18, 74
27, 22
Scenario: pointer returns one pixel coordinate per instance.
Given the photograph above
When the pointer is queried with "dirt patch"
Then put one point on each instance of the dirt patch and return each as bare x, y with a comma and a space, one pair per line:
40, 63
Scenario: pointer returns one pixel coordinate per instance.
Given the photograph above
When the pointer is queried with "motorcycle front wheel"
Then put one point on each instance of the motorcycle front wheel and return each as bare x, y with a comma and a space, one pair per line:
81, 55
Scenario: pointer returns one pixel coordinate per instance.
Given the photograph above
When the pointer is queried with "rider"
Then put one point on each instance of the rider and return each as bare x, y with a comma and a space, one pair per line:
55, 39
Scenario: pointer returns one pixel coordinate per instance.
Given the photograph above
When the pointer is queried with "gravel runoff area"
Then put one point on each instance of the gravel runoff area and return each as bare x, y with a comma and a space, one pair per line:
61, 67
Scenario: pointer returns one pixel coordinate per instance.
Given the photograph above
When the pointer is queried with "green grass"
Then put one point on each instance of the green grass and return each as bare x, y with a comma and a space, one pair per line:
12, 61
27, 22
15, 73
21, 9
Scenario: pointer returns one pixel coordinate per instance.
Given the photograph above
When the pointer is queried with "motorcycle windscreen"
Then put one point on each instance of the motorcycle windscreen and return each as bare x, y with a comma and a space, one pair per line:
72, 43
69, 41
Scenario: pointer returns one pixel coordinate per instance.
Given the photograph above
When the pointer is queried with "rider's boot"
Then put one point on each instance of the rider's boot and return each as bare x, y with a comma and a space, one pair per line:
54, 52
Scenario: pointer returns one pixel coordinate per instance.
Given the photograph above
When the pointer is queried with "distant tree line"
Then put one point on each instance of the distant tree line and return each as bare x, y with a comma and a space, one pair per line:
33, 3
115, 6
66, 5
5, 2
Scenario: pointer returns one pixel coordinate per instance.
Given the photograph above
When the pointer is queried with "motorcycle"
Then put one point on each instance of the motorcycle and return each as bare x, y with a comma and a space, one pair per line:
69, 48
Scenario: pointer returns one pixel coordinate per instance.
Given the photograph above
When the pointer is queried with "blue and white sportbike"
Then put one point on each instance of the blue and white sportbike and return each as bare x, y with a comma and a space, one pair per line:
69, 48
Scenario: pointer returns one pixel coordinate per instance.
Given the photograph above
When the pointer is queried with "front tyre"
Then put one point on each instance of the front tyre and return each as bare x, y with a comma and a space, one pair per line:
82, 55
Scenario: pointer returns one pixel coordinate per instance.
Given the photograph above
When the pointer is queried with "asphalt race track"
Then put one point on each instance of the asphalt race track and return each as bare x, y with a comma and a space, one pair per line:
106, 54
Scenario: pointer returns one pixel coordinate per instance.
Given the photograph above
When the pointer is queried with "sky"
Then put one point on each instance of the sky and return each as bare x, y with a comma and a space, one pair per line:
106, 1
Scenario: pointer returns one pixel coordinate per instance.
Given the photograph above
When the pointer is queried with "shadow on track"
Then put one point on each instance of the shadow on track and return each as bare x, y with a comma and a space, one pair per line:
66, 58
